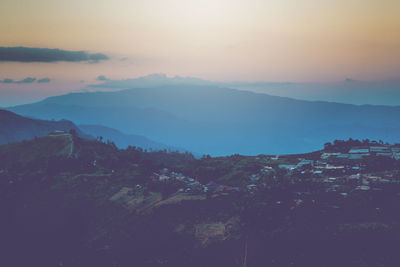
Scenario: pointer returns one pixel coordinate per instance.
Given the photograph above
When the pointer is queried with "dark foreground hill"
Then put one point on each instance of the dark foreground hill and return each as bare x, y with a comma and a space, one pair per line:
220, 121
14, 128
66, 201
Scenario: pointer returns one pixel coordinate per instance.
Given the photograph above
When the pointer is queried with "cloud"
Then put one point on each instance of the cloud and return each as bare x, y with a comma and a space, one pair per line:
349, 80
154, 80
7, 80
44, 80
102, 78
26, 80
29, 54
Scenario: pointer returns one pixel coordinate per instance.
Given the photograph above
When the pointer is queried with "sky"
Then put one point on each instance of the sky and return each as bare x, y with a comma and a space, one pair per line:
318, 41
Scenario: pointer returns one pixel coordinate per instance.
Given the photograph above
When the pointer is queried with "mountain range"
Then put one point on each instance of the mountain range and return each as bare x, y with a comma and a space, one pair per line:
221, 121
349, 91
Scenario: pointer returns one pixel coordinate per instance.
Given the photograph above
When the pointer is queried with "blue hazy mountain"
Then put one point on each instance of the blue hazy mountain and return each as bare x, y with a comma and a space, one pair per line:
221, 121
122, 140
348, 91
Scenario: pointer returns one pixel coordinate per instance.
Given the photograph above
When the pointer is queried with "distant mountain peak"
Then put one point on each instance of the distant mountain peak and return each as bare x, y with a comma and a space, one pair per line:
153, 80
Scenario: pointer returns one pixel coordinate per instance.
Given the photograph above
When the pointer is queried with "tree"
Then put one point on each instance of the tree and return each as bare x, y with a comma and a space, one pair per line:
73, 132
328, 146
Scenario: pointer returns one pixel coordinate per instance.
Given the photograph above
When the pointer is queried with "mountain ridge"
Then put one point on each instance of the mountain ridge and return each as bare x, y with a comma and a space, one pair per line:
220, 121
18, 128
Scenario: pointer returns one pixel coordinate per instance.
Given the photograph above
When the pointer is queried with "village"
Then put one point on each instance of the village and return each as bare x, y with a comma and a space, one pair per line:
339, 174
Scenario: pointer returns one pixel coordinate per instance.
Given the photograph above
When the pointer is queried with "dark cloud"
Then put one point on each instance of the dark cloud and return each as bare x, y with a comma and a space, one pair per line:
350, 80
44, 80
26, 80
28, 54
7, 80
102, 78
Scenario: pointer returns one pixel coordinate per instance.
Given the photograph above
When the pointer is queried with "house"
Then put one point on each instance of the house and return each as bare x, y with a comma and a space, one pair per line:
365, 182
372, 178
328, 155
211, 186
193, 184
354, 176
357, 156
287, 166
298, 202
164, 171
180, 178
251, 187
332, 167
379, 149
343, 156
359, 151
254, 177
163, 178
320, 163
305, 162
396, 149
363, 187
385, 154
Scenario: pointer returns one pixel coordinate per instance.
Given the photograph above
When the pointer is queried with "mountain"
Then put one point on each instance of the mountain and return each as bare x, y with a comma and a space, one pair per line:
348, 91
16, 128
122, 140
221, 121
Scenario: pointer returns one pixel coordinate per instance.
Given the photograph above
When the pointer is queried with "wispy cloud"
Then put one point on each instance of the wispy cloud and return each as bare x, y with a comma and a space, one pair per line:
7, 80
102, 78
29, 54
26, 80
44, 80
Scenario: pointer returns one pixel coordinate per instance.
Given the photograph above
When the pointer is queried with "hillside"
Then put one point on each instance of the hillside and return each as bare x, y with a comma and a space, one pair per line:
16, 128
221, 121
67, 201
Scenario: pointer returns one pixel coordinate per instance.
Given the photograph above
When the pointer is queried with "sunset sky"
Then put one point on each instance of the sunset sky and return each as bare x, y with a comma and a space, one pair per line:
220, 40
